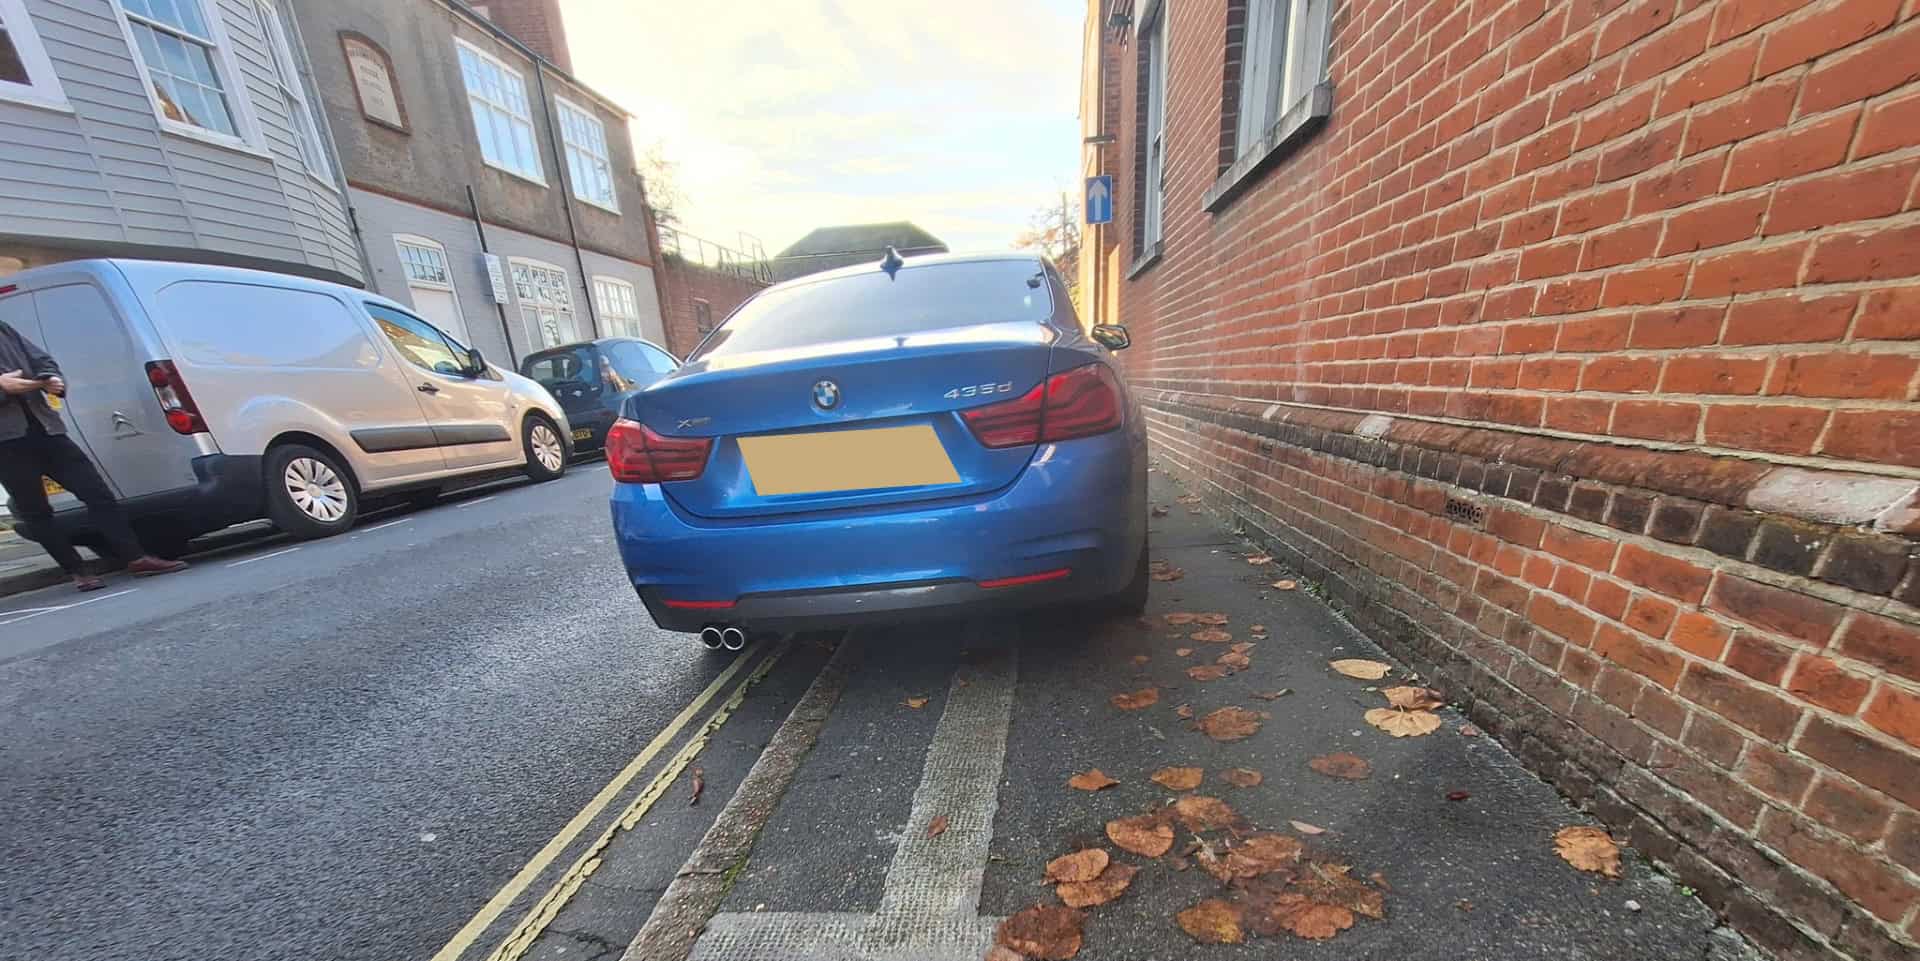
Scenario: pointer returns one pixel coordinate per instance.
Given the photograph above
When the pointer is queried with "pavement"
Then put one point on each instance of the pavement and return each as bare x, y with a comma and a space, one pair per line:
24, 566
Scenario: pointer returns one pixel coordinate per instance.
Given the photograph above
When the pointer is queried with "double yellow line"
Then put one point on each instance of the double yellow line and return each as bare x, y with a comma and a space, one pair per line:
548, 907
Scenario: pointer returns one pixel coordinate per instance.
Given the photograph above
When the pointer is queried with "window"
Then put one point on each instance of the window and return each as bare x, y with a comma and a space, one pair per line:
372, 72
1283, 57
703, 316
1153, 132
546, 301
177, 49
629, 359
619, 306
26, 75
587, 164
306, 132
425, 263
418, 341
501, 118
662, 361
430, 283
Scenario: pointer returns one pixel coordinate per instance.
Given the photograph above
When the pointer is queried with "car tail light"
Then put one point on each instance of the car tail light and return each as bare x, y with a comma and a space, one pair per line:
1080, 402
637, 455
182, 414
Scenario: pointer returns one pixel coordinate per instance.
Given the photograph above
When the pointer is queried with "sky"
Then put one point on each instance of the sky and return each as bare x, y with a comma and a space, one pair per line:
785, 115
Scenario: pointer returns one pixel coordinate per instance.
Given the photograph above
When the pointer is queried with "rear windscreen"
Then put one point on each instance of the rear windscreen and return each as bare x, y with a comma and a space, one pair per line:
872, 304
577, 366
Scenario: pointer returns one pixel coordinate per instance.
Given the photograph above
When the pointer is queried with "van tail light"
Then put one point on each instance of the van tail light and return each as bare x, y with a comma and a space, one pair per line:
1080, 402
182, 414
637, 455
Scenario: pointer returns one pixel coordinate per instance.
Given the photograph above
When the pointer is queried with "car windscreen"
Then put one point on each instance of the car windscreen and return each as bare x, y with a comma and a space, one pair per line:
576, 365
872, 304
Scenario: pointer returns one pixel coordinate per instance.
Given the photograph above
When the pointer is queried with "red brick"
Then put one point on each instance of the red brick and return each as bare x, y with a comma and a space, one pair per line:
1872, 760
1764, 268
1758, 110
1789, 319
1620, 117
1589, 334
1669, 48
1820, 681
1663, 328
1759, 658
1607, 599
1890, 315
1528, 228
1620, 375
1714, 224
1895, 712
1656, 420
1884, 254
1554, 374
1792, 152
1551, 185
1586, 550
1650, 615
1733, 19
1598, 209
1739, 701
1807, 619
1676, 578
1842, 197
1648, 660
1710, 374
1892, 646
1561, 620
1645, 151
1858, 876
1700, 635
1547, 148
1635, 22
1881, 436
1779, 430
1719, 73
1550, 260
1890, 125
1580, 415
1876, 66
1776, 773
1691, 181
1565, 296
1827, 30
1852, 375
1847, 809
1654, 284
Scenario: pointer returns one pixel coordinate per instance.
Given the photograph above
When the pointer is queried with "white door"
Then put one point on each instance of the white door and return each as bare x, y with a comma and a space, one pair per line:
430, 283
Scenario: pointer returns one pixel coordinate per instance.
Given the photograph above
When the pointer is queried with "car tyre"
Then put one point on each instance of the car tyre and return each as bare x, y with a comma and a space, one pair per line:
546, 451
309, 494
1131, 601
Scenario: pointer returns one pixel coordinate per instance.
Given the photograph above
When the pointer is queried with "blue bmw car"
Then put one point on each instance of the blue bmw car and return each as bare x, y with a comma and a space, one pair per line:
911, 438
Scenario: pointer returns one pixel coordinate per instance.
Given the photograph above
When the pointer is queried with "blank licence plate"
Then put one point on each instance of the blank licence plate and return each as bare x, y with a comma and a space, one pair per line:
847, 460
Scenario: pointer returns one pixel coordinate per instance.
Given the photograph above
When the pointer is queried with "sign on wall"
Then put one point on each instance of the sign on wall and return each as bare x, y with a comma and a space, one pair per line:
1100, 199
496, 277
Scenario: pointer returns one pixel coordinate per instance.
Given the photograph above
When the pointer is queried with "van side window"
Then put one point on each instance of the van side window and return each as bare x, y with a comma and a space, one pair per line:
218, 324
417, 340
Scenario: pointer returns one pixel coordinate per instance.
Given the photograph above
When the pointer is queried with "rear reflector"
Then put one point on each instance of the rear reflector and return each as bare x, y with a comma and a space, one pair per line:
638, 455
1028, 578
701, 605
176, 403
8, 289
1074, 403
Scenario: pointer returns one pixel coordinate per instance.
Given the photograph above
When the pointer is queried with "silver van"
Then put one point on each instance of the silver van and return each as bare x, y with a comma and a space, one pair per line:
209, 396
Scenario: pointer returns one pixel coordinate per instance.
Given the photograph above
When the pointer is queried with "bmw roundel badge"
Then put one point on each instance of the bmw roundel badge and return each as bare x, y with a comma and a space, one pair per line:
826, 395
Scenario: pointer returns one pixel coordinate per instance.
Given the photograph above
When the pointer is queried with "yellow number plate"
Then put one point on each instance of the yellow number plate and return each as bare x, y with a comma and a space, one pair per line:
847, 460
582, 433
51, 486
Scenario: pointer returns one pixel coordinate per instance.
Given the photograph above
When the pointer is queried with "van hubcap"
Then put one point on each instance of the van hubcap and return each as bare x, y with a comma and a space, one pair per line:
546, 447
315, 489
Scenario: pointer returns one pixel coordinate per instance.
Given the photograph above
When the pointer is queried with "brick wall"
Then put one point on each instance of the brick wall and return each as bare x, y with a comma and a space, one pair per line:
1577, 353
682, 283
536, 23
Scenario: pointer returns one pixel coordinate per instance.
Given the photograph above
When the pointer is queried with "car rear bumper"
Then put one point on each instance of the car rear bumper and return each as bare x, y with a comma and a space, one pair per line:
1080, 507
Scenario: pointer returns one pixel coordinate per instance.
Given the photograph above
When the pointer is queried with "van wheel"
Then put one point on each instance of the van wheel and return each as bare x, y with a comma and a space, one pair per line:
546, 452
309, 494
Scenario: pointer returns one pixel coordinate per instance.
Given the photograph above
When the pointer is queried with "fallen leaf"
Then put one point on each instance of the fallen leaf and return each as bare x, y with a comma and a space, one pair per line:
1242, 777
1170, 574
1457, 795
1135, 700
1360, 668
915, 702
1211, 619
1274, 695
1189, 498
1463, 904
1093, 780
1212, 921
1234, 660
1403, 723
1001, 952
1159, 510
1259, 855
1284, 585
1589, 849
1144, 834
1178, 618
1184, 712
1078, 866
1468, 730
1211, 635
1140, 659
1412, 698
1201, 813
1183, 651
1310, 919
1257, 630
1333, 884
937, 826
1109, 885
1207, 672
1380, 879
1244, 647
1258, 560
699, 786
1230, 724
1178, 778
1345, 766
1307, 829
1042, 932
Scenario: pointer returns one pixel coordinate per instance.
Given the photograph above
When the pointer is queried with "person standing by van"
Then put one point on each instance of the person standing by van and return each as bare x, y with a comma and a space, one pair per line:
34, 443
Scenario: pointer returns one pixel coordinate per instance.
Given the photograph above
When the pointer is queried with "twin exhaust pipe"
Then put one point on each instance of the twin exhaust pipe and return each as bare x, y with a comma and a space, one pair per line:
714, 637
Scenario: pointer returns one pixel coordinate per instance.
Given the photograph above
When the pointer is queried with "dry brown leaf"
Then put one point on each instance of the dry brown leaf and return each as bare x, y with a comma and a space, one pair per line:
1184, 712
915, 702
1345, 766
1360, 668
1042, 932
1078, 866
1135, 700
1094, 780
1307, 829
1284, 585
1201, 813
1333, 884
1274, 695
1179, 618
1159, 510
1211, 635
1189, 498
937, 826
1230, 724
1207, 672
1212, 921
1234, 660
1242, 777
1242, 648
1589, 849
1409, 698
1403, 723
1145, 834
1001, 952
1178, 778
1310, 919
1140, 659
1468, 730
1259, 560
1170, 574
1109, 885
1211, 619
1183, 651
1458, 795
1257, 630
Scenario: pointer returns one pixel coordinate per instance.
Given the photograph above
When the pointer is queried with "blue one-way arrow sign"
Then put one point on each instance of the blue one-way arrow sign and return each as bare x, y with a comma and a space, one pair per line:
1100, 199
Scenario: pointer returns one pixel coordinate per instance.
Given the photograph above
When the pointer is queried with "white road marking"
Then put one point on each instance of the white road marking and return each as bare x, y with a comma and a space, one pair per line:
28, 613
262, 557
382, 527
466, 504
929, 908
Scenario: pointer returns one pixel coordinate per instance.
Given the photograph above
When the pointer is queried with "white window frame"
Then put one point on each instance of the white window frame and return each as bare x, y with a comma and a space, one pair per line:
1273, 66
308, 139
588, 153
1153, 44
246, 137
42, 88
622, 310
477, 99
400, 244
535, 305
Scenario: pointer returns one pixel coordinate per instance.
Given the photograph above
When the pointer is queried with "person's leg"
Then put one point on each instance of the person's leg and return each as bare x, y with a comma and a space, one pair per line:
20, 469
68, 465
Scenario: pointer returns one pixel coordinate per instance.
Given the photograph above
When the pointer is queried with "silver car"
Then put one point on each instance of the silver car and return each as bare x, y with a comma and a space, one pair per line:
209, 396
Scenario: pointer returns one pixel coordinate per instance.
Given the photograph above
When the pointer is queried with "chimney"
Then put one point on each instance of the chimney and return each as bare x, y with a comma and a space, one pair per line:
535, 23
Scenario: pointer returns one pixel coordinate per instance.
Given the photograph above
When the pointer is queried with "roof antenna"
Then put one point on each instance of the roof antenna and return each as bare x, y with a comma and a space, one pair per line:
891, 263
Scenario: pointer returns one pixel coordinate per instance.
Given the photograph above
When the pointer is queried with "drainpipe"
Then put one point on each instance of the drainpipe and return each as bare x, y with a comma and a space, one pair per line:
566, 191
480, 227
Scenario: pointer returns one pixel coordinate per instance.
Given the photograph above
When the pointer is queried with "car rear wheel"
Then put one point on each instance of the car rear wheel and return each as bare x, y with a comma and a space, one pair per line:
546, 452
1131, 601
309, 494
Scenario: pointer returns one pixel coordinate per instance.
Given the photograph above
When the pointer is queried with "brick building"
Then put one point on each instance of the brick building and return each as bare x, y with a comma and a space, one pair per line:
1574, 347
701, 282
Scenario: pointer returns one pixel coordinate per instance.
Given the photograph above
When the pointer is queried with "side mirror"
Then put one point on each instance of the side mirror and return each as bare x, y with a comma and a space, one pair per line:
476, 364
1112, 336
